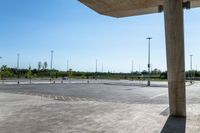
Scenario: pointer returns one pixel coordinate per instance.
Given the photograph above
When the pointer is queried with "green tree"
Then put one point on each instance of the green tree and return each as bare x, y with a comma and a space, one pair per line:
156, 72
5, 72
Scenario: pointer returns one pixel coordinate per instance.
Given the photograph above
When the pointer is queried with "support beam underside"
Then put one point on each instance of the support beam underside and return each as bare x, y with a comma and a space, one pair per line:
125, 8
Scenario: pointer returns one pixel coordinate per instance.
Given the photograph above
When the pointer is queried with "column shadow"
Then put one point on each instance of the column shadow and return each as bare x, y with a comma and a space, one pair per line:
174, 125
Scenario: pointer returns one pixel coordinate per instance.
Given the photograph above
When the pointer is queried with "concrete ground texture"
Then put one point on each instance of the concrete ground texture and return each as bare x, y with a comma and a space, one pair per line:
39, 112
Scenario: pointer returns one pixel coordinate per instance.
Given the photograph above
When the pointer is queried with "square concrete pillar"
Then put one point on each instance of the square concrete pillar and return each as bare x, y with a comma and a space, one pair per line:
173, 12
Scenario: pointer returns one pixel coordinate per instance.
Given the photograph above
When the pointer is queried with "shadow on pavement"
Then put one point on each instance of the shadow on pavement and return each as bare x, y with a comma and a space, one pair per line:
165, 112
174, 125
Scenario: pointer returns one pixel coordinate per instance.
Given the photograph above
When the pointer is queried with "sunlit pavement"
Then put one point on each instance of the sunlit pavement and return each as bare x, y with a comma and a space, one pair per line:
38, 111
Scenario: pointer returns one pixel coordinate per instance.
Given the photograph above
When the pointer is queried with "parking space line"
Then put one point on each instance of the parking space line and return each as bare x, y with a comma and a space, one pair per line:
71, 99
55, 97
63, 98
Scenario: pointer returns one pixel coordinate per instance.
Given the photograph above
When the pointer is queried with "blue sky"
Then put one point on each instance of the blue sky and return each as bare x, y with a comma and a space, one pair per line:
76, 33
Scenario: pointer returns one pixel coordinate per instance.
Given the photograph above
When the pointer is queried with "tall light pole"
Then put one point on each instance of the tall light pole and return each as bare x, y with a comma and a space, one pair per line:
96, 65
102, 67
132, 63
67, 65
18, 55
96, 70
139, 68
191, 68
52, 59
149, 54
51, 65
102, 72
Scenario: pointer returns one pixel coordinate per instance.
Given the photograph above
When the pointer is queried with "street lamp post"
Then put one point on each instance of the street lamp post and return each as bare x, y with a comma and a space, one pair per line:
18, 55
67, 65
102, 73
149, 54
102, 67
191, 68
52, 59
132, 69
96, 70
51, 65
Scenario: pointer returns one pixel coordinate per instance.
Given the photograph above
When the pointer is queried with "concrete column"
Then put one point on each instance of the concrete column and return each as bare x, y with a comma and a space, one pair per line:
173, 12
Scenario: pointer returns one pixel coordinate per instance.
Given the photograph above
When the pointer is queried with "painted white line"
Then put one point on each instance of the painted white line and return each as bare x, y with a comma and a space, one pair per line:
63, 98
158, 95
71, 99
56, 97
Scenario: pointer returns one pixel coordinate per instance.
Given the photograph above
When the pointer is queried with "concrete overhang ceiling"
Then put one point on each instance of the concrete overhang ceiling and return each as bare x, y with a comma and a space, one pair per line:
125, 8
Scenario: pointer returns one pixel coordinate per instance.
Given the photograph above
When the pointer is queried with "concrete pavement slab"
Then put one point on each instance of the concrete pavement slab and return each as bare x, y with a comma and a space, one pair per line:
35, 114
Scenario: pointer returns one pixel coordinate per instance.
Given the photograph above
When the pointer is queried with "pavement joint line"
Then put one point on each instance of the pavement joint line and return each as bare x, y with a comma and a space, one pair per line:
158, 95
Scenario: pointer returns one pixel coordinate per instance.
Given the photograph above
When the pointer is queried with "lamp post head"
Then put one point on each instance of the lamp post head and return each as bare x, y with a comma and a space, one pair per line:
149, 38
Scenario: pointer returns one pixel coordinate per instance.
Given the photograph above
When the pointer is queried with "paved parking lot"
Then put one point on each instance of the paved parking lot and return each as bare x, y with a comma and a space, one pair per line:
111, 108
108, 91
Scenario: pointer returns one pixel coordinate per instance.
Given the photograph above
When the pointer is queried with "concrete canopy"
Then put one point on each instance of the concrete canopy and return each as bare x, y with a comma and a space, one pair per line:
125, 8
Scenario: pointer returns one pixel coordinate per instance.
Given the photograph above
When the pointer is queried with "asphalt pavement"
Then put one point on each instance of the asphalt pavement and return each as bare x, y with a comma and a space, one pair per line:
116, 91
